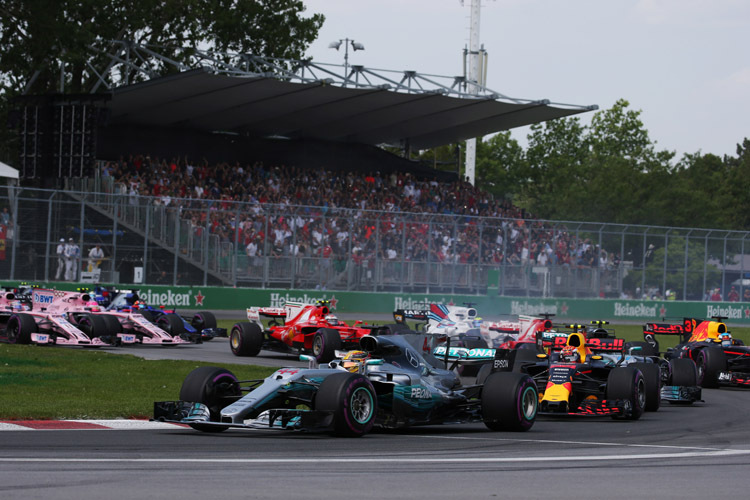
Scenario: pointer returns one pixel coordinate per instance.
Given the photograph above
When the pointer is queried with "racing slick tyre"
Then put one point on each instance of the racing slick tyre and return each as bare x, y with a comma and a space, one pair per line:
509, 401
646, 348
523, 358
113, 324
93, 325
172, 324
627, 384
352, 400
19, 328
652, 377
684, 372
149, 315
214, 387
710, 362
484, 372
246, 339
203, 320
325, 344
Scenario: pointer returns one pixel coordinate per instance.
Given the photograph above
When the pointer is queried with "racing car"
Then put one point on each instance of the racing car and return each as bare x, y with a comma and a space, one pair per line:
41, 322
674, 381
467, 329
721, 360
388, 384
297, 328
108, 327
200, 327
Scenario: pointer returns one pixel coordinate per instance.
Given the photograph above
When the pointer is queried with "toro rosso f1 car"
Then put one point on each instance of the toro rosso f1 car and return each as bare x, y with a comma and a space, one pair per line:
721, 360
387, 384
296, 328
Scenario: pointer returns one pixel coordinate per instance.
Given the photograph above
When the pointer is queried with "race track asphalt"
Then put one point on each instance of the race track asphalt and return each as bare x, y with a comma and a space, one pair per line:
698, 451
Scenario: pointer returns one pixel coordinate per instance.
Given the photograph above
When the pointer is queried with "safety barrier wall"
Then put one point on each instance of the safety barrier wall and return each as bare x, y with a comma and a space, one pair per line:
218, 298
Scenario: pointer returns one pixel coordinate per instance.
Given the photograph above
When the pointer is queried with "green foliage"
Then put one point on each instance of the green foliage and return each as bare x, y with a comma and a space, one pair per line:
611, 171
38, 38
679, 269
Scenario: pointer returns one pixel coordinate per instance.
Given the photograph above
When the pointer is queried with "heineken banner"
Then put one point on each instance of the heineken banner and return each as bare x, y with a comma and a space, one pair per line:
216, 298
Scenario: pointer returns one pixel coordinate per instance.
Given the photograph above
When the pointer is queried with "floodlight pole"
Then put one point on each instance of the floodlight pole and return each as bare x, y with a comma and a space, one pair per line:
475, 78
355, 47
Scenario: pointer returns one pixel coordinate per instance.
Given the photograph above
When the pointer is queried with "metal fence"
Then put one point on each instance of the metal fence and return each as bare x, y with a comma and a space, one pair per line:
191, 242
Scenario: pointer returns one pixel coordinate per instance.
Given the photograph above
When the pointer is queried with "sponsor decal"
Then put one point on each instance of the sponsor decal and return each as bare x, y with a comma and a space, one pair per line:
456, 352
637, 310
168, 298
532, 309
415, 305
724, 311
43, 298
418, 392
500, 363
279, 300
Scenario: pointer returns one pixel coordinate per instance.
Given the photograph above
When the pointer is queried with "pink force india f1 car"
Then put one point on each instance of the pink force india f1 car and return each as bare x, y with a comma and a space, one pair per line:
31, 323
73, 318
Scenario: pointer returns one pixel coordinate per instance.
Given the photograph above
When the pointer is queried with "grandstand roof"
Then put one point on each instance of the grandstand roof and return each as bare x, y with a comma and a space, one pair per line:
266, 106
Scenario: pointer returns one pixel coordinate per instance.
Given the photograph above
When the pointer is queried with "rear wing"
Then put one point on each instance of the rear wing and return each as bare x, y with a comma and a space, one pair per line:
684, 330
557, 340
255, 314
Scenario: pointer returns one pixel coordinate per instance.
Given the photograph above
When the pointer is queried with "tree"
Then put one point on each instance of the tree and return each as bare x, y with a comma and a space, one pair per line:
555, 169
500, 168
40, 40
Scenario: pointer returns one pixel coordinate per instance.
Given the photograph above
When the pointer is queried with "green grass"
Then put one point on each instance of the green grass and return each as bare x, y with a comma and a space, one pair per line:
63, 383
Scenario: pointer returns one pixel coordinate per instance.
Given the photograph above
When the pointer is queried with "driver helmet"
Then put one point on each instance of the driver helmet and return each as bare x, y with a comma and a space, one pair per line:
353, 361
570, 354
332, 320
17, 305
726, 339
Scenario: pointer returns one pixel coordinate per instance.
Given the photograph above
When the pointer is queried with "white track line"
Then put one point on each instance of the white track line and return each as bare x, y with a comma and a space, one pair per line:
384, 460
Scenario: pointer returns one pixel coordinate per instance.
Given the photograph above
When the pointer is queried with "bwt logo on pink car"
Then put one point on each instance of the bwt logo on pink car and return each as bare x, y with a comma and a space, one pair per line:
43, 298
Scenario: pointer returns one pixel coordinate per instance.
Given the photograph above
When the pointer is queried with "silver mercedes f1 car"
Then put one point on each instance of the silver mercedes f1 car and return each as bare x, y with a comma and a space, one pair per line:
389, 383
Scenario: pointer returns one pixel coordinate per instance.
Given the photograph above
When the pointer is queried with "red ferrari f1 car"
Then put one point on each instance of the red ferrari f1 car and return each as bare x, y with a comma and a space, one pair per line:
297, 328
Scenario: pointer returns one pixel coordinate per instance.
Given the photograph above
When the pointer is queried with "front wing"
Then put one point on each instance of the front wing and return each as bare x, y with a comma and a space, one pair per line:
184, 412
681, 394
733, 378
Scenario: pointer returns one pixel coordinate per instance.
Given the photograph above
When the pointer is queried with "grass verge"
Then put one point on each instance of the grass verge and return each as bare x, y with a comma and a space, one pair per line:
39, 382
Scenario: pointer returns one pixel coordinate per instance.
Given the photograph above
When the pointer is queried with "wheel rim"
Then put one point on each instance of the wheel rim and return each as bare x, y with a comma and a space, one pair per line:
641, 395
235, 340
361, 405
317, 345
529, 402
701, 368
13, 332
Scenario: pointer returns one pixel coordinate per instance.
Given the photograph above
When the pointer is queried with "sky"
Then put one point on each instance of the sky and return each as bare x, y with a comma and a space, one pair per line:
685, 64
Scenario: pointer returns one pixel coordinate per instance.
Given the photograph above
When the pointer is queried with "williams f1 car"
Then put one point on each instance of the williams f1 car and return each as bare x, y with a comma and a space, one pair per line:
387, 384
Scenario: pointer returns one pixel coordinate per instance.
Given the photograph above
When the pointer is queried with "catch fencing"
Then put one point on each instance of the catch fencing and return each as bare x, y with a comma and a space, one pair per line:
151, 240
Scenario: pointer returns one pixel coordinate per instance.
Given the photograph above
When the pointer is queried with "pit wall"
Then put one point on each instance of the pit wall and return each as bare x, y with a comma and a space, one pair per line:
218, 298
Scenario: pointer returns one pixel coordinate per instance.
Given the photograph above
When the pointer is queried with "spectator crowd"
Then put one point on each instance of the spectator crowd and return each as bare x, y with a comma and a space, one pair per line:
291, 211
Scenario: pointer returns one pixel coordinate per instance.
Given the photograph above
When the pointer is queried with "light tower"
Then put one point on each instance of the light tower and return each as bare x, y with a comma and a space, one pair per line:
475, 58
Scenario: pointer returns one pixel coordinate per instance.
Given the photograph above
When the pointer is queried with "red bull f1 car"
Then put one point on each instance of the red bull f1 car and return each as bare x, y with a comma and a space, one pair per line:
721, 360
387, 384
